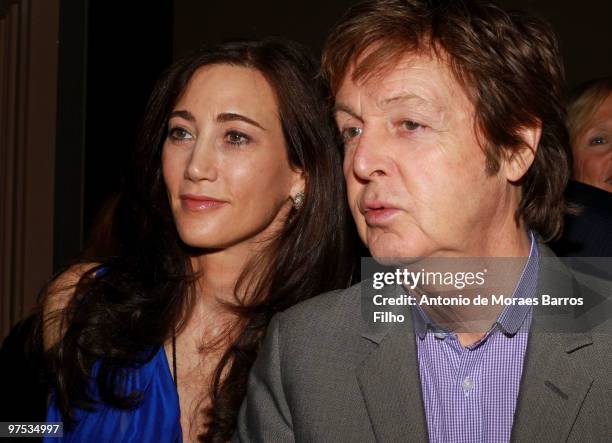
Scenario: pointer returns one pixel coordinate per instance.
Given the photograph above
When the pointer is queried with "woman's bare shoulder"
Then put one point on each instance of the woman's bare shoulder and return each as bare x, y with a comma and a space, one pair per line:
58, 295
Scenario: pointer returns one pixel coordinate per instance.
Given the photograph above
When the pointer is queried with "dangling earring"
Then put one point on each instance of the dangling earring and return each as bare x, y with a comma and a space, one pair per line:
298, 200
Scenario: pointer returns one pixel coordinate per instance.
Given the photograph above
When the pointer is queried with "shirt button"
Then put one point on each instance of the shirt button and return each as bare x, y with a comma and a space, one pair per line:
467, 384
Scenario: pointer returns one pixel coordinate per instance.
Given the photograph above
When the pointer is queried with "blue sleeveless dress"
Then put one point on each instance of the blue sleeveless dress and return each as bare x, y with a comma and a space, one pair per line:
156, 419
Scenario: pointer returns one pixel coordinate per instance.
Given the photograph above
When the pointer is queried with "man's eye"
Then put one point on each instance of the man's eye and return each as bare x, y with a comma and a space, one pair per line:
350, 133
410, 125
598, 141
237, 138
179, 134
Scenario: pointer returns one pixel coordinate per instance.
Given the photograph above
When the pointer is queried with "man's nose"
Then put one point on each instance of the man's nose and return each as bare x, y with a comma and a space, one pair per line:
370, 158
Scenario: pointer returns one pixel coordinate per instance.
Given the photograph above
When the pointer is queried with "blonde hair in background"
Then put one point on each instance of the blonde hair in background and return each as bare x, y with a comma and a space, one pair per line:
584, 104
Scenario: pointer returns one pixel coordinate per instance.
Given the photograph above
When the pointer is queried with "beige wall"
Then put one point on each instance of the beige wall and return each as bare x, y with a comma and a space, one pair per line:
28, 84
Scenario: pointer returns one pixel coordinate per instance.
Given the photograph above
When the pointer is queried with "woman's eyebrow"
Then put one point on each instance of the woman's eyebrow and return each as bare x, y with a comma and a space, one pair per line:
231, 116
182, 114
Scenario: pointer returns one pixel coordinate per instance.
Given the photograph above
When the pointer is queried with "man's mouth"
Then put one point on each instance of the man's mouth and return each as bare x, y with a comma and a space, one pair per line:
377, 212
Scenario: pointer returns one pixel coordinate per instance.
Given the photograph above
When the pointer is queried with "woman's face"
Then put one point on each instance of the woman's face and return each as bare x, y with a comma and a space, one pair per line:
225, 161
592, 149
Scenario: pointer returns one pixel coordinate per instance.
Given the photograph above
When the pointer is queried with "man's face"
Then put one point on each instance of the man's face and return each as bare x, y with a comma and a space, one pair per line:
415, 171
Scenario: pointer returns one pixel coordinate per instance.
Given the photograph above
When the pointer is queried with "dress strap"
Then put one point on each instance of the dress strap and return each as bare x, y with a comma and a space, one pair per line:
174, 374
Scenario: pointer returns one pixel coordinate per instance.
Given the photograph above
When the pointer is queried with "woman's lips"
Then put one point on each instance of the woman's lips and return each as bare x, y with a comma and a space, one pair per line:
200, 203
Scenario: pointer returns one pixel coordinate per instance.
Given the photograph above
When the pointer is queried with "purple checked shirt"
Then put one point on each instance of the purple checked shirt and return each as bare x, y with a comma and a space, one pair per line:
470, 393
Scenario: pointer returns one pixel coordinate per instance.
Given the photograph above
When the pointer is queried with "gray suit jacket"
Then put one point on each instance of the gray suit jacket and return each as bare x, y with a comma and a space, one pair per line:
324, 375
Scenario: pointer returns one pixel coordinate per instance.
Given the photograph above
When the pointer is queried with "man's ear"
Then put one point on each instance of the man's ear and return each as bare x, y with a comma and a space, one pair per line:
519, 161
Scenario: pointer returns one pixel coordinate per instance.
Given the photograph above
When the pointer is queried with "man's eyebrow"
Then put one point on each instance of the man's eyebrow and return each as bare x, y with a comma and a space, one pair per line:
182, 114
395, 100
341, 107
399, 99
231, 116
415, 102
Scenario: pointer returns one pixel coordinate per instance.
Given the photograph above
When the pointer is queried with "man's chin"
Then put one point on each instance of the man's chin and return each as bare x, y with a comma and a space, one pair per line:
390, 245
391, 254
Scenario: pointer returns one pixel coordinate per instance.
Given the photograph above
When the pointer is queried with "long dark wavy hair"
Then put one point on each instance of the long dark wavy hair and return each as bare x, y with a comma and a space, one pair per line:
120, 317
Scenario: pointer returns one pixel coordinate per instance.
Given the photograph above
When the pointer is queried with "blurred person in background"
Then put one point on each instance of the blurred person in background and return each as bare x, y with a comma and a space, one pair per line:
588, 229
589, 121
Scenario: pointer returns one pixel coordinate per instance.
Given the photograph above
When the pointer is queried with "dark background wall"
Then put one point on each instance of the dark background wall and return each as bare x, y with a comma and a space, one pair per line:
585, 34
307, 22
128, 48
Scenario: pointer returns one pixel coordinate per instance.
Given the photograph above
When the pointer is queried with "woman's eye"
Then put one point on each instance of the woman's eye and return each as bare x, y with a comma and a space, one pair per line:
237, 138
598, 141
350, 133
410, 125
179, 134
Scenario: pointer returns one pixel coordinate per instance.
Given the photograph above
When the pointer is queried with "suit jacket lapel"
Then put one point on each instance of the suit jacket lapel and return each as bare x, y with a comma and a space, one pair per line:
389, 380
552, 390
553, 384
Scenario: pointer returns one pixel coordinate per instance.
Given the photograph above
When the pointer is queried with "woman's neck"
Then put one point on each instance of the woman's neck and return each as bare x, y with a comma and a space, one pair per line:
218, 272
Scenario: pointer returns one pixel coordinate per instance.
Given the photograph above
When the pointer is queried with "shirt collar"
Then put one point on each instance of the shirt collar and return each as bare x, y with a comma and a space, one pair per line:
512, 316
421, 321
